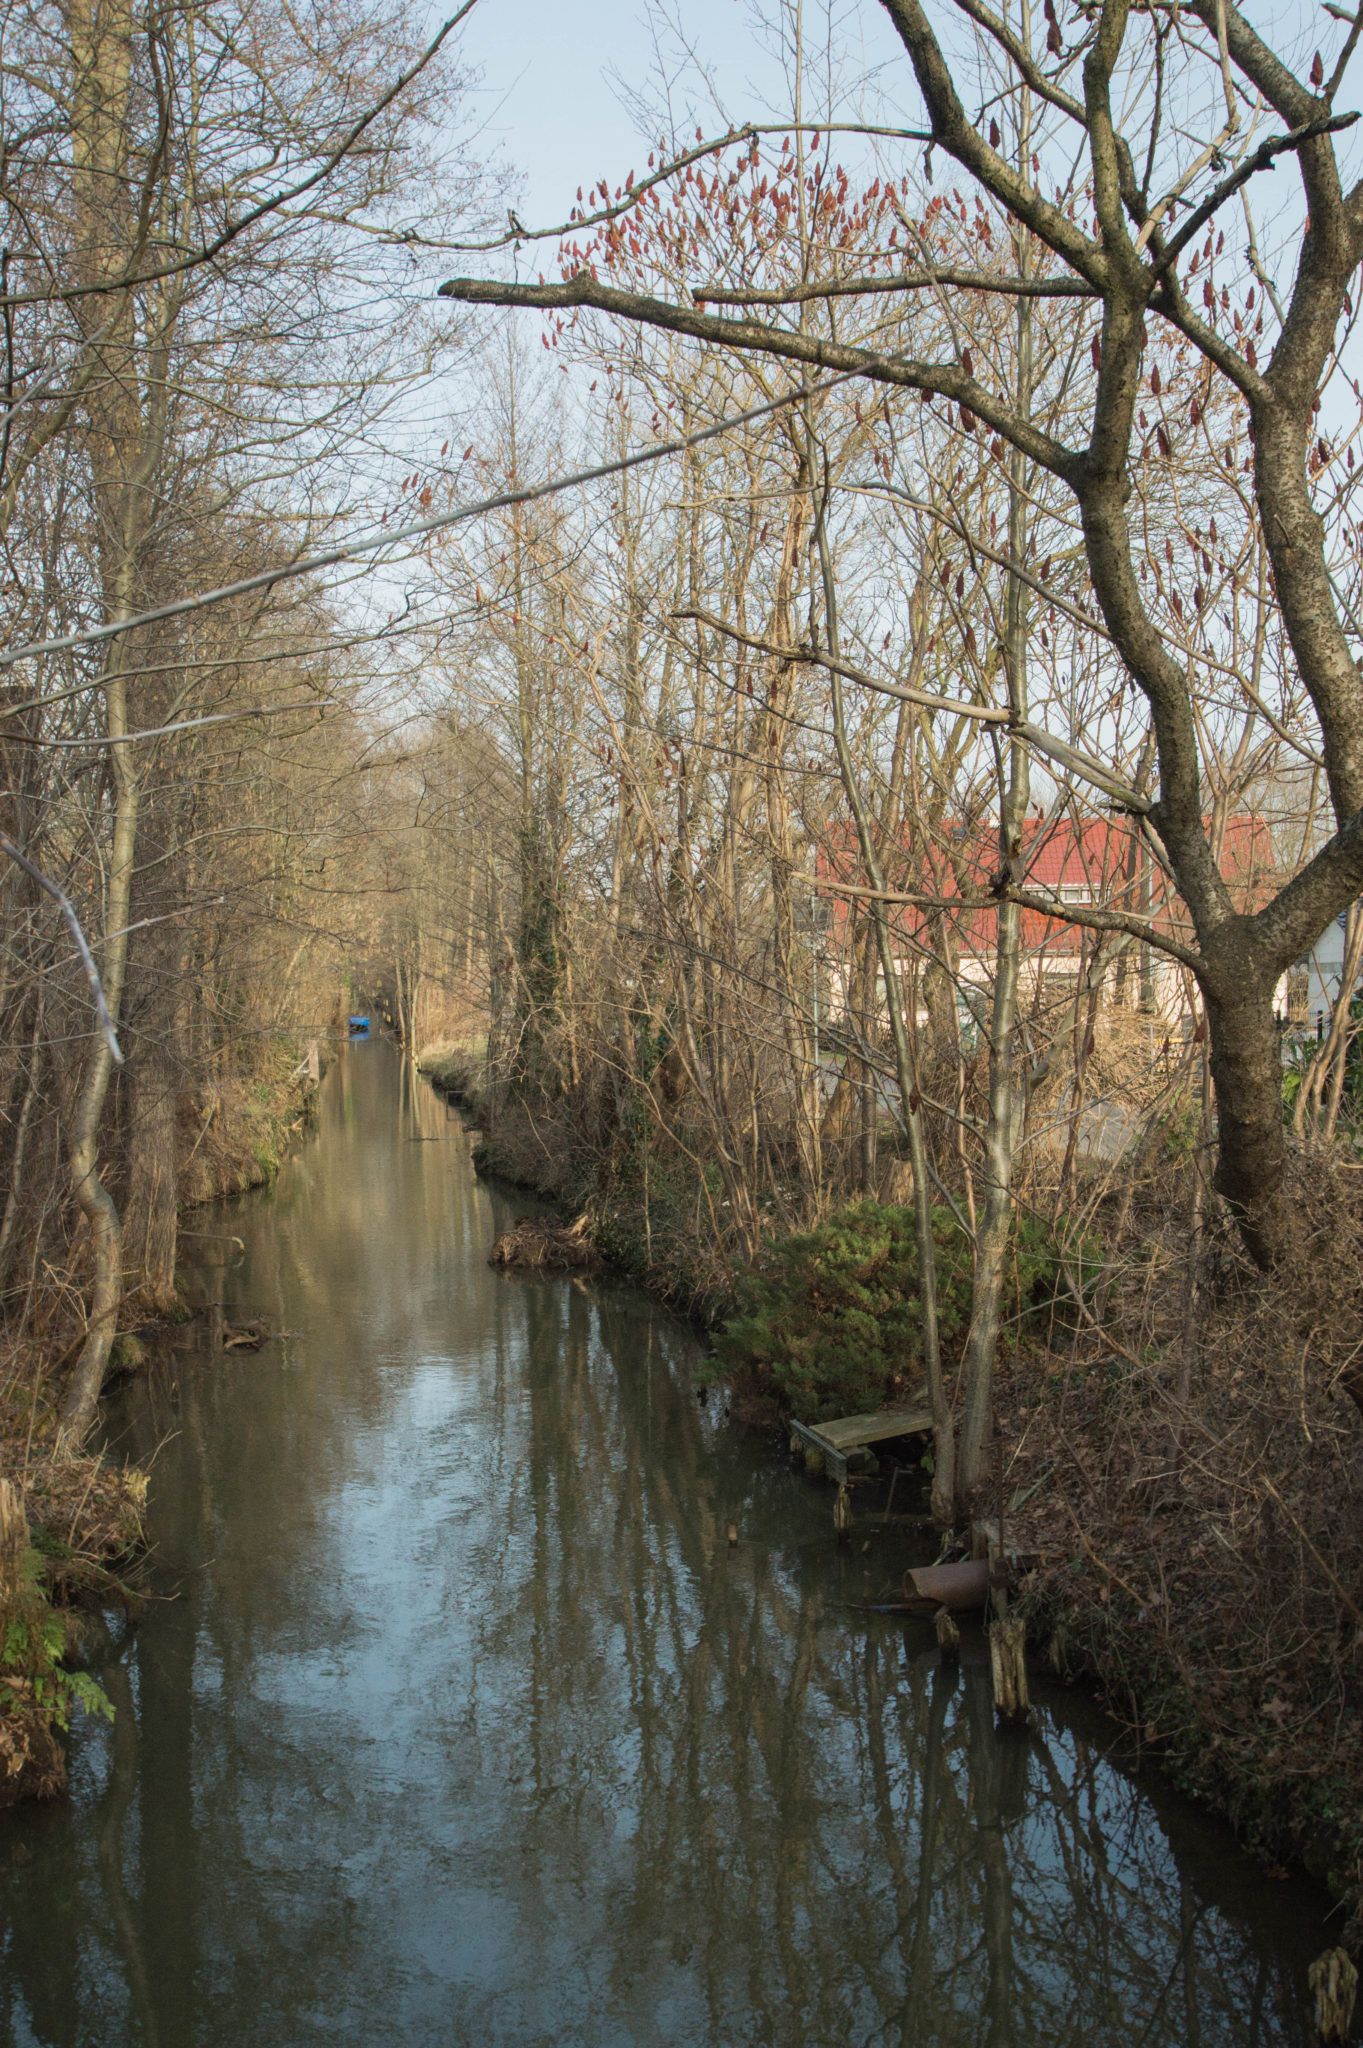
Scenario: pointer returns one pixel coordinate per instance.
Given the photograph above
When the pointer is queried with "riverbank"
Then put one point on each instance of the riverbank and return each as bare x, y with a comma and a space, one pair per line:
70, 1525
1183, 1490
644, 1229
458, 1666
77, 1519
1191, 1518
238, 1133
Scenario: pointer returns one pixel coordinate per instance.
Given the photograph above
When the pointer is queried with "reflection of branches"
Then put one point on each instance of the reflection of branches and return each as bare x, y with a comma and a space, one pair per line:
777, 1760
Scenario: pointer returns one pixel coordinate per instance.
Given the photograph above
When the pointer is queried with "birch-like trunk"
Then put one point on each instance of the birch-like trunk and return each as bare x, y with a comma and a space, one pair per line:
943, 1426
96, 1203
1003, 1124
126, 405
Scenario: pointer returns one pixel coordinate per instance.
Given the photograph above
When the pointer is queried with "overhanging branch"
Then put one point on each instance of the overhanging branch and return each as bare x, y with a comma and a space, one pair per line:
943, 380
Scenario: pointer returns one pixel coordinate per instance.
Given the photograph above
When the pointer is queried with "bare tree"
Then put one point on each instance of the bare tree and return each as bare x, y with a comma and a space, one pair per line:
1135, 263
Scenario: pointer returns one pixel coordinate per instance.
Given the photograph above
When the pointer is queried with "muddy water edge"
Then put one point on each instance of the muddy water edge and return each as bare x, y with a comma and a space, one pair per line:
455, 1717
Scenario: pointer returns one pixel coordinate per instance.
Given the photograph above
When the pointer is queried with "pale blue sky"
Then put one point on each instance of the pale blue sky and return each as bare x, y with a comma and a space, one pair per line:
552, 110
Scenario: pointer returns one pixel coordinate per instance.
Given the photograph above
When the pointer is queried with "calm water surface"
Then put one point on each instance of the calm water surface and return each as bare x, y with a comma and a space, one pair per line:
458, 1721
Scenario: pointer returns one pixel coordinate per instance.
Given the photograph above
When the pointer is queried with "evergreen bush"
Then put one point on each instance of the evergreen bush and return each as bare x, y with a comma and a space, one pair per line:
832, 1317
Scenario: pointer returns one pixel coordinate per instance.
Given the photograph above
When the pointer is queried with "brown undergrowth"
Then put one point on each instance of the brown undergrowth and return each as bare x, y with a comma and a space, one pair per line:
666, 1233
236, 1134
80, 1518
71, 1524
1186, 1488
538, 1244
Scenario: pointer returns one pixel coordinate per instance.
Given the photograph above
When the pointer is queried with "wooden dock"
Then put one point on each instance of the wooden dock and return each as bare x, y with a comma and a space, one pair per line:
837, 1441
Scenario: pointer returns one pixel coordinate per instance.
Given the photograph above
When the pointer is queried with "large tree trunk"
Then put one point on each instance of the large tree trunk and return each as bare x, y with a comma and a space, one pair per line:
1246, 1064
96, 1203
126, 409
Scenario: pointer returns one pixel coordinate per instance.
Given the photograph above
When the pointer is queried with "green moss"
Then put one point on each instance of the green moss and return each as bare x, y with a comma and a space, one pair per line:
266, 1157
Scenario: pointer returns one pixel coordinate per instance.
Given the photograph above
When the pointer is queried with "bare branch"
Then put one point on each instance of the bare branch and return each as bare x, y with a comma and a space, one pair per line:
945, 380
63, 902
955, 706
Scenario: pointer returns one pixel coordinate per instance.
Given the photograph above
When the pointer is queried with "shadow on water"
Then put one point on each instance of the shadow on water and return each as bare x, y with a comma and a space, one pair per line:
460, 1721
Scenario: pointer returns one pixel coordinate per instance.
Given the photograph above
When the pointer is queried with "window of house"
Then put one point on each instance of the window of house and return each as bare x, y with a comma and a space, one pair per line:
1075, 892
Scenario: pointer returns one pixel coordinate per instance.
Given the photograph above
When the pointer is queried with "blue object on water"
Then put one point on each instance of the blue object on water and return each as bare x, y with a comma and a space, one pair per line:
359, 1027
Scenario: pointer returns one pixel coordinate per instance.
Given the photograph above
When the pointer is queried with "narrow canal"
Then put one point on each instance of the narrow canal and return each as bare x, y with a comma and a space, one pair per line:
457, 1720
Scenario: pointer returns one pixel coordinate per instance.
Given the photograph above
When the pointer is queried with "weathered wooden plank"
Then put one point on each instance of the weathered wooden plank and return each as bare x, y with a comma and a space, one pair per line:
834, 1462
836, 1440
850, 1432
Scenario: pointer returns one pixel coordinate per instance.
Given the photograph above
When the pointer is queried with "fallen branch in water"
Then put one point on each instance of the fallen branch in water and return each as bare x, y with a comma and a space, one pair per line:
537, 1241
245, 1336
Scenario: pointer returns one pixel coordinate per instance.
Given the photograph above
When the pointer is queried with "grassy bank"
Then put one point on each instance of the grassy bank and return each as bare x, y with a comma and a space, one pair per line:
237, 1134
456, 1068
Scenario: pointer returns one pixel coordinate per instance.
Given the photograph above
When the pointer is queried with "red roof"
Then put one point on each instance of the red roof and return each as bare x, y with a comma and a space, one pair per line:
1099, 861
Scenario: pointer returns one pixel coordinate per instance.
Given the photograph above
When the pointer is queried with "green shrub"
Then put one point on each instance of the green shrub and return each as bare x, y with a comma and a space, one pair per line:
34, 1678
1050, 1265
832, 1317
38, 1692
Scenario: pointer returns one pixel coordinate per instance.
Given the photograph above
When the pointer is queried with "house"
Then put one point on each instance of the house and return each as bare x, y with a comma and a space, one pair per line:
1307, 994
1101, 862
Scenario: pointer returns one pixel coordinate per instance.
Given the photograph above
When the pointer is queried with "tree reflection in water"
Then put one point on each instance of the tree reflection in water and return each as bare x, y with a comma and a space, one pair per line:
466, 1723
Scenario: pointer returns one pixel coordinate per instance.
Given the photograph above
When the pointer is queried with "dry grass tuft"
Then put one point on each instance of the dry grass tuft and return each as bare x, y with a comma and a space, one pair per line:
538, 1242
